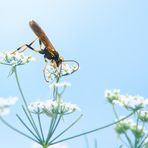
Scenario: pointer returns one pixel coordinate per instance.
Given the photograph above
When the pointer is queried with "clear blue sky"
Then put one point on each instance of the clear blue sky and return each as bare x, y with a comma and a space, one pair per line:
109, 38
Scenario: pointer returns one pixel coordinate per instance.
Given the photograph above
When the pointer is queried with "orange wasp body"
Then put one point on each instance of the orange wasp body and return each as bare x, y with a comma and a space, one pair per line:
48, 51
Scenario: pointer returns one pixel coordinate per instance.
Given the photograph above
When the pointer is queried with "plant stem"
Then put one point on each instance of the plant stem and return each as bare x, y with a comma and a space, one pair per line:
52, 123
16, 130
125, 134
92, 131
25, 103
40, 125
18, 84
45, 146
66, 129
136, 138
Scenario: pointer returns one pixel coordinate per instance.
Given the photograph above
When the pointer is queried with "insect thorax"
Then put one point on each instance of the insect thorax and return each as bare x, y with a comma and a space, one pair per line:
51, 56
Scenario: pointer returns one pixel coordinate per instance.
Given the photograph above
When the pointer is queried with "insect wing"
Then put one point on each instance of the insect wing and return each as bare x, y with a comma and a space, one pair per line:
42, 36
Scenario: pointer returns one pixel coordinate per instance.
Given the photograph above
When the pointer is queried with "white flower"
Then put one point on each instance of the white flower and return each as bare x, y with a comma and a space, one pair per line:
129, 124
138, 130
36, 107
35, 145
68, 69
127, 101
14, 59
124, 125
52, 71
143, 115
59, 107
5, 103
112, 95
53, 107
133, 102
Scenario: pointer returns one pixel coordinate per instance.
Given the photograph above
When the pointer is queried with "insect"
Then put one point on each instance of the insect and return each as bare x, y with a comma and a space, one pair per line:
48, 51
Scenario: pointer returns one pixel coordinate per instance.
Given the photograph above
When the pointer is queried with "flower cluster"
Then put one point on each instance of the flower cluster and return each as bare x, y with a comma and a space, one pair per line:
143, 115
14, 59
134, 126
128, 124
51, 71
52, 107
5, 103
127, 101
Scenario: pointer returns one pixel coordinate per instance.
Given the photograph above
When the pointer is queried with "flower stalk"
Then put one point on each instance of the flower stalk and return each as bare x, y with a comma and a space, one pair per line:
132, 129
56, 109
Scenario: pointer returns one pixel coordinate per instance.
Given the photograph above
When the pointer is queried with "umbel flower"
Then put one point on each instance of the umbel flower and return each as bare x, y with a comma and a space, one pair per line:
51, 71
127, 101
143, 115
14, 59
129, 124
52, 107
5, 103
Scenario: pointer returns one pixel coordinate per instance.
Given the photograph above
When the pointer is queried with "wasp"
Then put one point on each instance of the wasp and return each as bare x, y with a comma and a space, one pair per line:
48, 51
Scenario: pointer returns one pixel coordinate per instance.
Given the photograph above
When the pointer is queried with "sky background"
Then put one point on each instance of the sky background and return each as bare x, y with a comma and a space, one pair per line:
109, 38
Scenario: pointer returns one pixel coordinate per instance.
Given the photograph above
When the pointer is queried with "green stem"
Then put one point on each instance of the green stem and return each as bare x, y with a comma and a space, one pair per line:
16, 130
27, 127
26, 106
125, 134
30, 121
136, 138
17, 80
140, 145
92, 131
40, 125
5, 64
54, 128
66, 129
52, 123
45, 146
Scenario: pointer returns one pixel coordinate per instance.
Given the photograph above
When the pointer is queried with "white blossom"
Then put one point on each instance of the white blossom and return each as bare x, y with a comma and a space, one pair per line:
127, 101
138, 130
52, 71
129, 124
14, 59
36, 107
53, 107
112, 95
123, 125
143, 115
5, 103
132, 101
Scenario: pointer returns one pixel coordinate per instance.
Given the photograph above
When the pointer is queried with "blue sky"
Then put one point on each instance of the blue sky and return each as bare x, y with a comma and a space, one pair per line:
107, 37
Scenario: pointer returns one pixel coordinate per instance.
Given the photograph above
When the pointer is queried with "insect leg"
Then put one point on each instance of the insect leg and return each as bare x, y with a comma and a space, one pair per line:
24, 46
40, 43
44, 70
